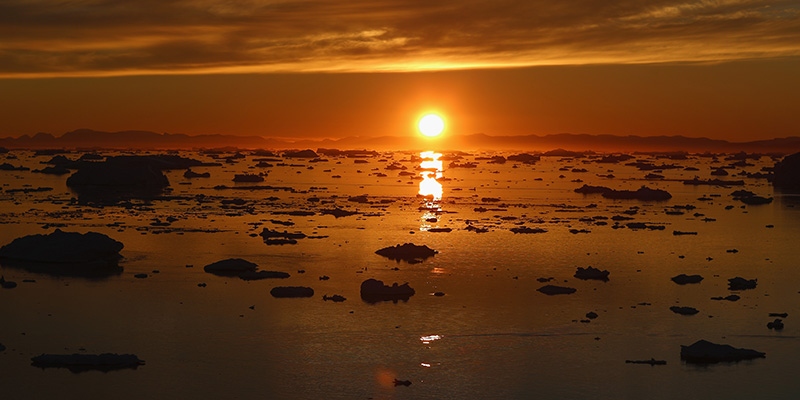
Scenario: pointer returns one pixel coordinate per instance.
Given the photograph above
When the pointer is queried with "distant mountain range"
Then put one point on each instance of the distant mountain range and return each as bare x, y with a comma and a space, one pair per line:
140, 140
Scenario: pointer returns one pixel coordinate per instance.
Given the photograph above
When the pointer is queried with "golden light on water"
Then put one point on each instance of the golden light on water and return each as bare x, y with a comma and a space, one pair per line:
428, 339
431, 125
432, 168
430, 188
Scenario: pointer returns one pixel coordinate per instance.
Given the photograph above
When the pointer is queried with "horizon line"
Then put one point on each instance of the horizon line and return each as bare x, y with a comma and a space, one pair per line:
317, 138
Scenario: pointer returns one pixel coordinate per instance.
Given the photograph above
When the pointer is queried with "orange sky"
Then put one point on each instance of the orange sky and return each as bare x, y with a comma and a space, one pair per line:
722, 69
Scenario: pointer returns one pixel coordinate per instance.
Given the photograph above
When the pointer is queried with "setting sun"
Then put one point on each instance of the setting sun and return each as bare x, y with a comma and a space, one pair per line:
431, 125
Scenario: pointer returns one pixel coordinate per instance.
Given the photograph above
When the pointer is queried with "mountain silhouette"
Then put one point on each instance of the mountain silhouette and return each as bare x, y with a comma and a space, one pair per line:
141, 140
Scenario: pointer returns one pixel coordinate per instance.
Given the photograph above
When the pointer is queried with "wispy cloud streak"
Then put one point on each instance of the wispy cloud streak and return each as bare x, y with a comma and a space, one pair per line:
112, 37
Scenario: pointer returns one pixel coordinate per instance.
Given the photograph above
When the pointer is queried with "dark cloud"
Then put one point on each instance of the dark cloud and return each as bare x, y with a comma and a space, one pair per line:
97, 37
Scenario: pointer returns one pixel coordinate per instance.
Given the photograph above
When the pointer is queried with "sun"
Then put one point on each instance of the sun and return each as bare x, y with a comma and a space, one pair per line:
431, 125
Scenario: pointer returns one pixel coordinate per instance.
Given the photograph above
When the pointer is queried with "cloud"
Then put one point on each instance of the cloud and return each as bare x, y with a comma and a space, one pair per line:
110, 37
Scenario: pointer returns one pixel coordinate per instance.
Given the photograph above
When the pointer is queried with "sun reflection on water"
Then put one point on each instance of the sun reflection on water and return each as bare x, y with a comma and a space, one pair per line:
430, 189
431, 170
429, 338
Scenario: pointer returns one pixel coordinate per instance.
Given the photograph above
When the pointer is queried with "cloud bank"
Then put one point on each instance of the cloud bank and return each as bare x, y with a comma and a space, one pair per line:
40, 38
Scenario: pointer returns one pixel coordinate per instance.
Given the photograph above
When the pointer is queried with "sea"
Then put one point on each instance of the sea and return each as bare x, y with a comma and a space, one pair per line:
477, 326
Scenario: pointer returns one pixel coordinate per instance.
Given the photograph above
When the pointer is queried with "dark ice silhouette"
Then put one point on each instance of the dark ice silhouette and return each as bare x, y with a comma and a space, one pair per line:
705, 352
337, 212
786, 173
373, 291
244, 269
267, 233
712, 182
53, 170
683, 279
258, 275
127, 176
777, 324
551, 290
230, 266
684, 310
739, 283
525, 229
191, 174
9, 167
291, 291
64, 253
651, 361
7, 284
644, 193
738, 194
336, 298
756, 200
407, 252
591, 273
86, 362
732, 297
301, 154
589, 189
524, 158
252, 178
782, 315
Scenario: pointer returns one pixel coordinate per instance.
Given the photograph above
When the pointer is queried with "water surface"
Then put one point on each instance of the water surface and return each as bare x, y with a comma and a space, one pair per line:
492, 335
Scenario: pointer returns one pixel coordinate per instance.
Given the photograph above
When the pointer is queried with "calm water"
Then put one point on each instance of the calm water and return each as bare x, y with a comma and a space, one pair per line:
491, 336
